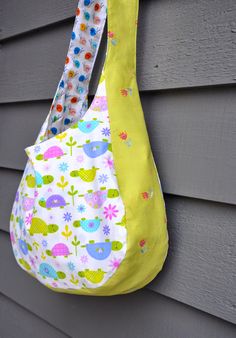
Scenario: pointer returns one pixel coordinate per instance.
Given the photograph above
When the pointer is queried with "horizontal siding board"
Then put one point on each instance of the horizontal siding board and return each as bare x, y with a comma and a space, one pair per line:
9, 181
193, 137
17, 322
192, 134
191, 49
23, 16
200, 269
201, 259
40, 62
140, 314
186, 43
26, 120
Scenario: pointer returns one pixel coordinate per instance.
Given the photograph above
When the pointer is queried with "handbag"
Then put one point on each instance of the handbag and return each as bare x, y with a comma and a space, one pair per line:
89, 215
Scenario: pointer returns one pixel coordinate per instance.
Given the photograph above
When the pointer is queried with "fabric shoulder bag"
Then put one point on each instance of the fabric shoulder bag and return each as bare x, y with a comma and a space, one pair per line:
89, 215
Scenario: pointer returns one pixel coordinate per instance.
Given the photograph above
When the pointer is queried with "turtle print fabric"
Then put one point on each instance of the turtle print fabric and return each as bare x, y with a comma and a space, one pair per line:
68, 221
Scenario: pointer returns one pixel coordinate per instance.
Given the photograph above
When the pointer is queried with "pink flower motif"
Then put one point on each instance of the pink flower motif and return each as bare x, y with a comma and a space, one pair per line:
84, 259
145, 195
69, 86
57, 264
115, 263
142, 243
110, 211
72, 112
12, 237
88, 125
36, 193
96, 20
111, 34
32, 262
28, 219
46, 167
108, 162
143, 246
123, 135
83, 41
87, 68
80, 158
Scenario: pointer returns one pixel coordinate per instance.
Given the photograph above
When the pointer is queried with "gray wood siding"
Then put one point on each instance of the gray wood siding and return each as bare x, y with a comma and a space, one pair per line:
17, 322
186, 69
193, 42
30, 15
140, 314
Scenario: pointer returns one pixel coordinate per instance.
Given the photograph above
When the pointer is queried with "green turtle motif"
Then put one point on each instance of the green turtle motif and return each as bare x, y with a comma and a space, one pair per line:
53, 201
93, 276
38, 180
46, 270
24, 246
59, 249
87, 126
30, 180
88, 225
96, 148
102, 250
96, 198
87, 175
24, 264
38, 226
51, 152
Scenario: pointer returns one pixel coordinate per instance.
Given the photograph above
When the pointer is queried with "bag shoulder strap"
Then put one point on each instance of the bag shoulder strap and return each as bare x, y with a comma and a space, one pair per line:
71, 98
122, 34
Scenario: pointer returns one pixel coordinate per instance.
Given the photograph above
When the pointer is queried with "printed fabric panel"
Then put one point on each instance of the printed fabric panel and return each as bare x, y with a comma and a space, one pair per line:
68, 224
70, 100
